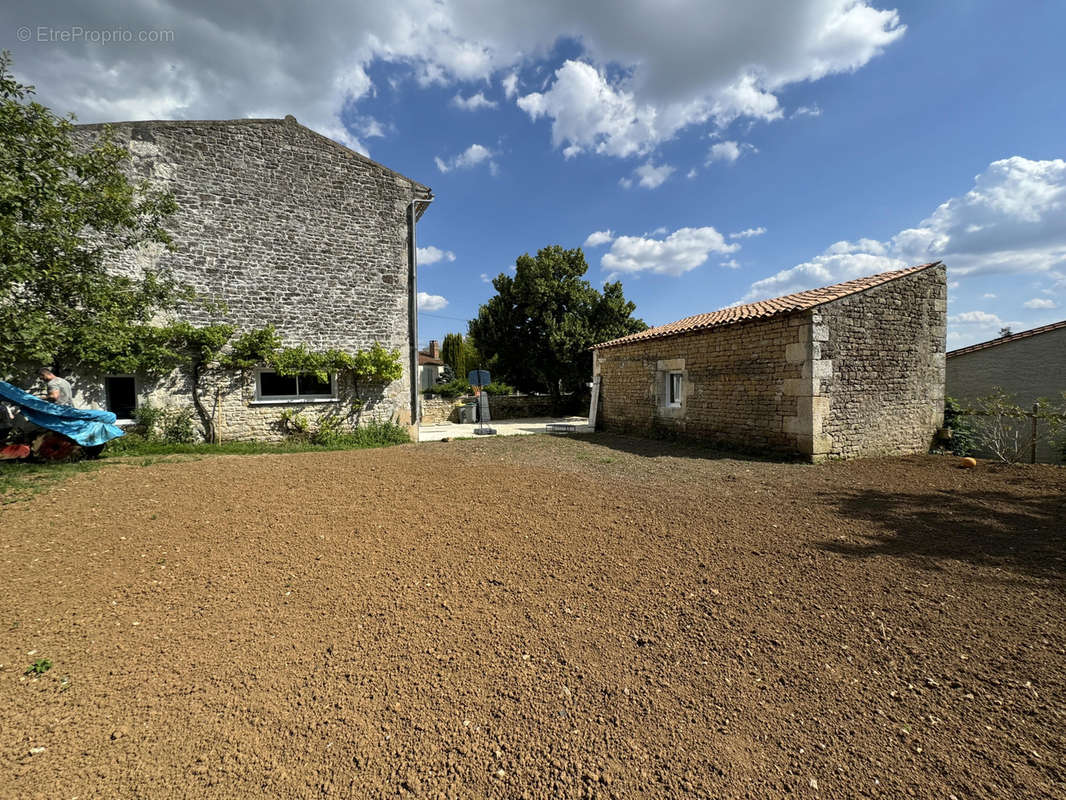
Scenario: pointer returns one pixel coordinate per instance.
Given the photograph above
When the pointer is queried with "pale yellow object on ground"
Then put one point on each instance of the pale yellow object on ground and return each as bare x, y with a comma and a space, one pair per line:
968, 463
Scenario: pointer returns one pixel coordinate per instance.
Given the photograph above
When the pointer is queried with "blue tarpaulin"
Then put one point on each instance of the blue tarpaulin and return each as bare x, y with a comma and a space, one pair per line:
85, 426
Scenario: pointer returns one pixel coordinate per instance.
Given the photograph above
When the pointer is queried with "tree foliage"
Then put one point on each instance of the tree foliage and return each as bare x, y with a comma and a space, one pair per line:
540, 326
453, 353
65, 212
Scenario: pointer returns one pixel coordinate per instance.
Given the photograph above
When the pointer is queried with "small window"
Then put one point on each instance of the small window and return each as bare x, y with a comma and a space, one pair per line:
673, 389
271, 386
120, 395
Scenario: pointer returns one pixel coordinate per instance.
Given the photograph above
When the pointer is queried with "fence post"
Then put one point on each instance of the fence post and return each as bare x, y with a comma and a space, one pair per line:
1032, 434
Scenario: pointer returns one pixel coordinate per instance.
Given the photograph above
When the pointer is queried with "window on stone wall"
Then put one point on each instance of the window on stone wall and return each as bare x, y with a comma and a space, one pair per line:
271, 386
673, 389
120, 395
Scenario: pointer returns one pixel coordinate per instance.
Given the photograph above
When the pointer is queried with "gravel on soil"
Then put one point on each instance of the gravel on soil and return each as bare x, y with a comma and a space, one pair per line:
536, 617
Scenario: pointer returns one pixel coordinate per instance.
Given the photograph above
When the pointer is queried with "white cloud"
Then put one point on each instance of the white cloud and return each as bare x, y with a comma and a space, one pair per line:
1013, 220
651, 176
473, 103
747, 233
980, 320
650, 75
731, 264
596, 238
723, 63
681, 251
692, 173
1039, 302
510, 85
989, 296
728, 151
431, 302
953, 284
473, 155
485, 278
431, 255
625, 183
807, 111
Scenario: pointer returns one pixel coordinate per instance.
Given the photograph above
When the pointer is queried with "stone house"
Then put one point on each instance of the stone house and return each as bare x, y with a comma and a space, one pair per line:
1029, 365
846, 371
281, 226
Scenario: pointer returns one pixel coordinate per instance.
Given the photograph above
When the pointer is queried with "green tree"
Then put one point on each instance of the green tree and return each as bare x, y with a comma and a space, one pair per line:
65, 212
540, 326
453, 353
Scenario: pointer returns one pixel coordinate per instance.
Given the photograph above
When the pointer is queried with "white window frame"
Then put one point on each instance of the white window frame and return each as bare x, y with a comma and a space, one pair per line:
136, 396
292, 398
674, 403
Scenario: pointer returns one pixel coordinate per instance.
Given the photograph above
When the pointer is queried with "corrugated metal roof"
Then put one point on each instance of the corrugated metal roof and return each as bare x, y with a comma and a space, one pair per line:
763, 309
1054, 326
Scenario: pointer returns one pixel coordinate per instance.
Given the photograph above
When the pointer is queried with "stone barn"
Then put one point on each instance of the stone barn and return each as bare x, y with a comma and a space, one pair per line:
1028, 365
277, 225
846, 371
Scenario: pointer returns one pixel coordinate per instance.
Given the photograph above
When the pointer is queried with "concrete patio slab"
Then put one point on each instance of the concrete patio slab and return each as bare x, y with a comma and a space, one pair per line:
508, 427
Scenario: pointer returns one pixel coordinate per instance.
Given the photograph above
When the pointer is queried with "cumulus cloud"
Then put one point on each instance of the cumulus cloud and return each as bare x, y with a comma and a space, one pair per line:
1013, 220
1039, 302
652, 176
640, 71
431, 255
431, 302
597, 238
473, 102
747, 233
724, 63
728, 151
680, 252
807, 111
473, 155
731, 264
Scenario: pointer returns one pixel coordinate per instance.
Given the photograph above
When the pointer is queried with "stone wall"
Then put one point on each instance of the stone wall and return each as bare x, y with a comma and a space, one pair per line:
501, 407
1028, 369
283, 227
882, 354
859, 376
733, 385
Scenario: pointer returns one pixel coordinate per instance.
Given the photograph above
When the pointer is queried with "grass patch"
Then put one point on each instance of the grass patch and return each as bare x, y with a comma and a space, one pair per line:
380, 435
21, 480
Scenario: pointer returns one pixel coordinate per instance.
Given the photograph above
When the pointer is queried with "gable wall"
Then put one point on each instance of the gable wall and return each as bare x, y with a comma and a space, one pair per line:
882, 367
284, 228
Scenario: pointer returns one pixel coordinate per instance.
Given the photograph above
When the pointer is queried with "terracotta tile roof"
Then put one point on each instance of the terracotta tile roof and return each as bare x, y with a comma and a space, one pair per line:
763, 309
425, 359
1054, 326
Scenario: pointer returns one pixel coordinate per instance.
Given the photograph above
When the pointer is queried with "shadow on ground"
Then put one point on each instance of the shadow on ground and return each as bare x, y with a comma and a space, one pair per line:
1022, 535
673, 448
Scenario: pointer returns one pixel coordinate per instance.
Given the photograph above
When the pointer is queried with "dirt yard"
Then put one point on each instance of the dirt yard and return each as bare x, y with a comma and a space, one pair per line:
536, 617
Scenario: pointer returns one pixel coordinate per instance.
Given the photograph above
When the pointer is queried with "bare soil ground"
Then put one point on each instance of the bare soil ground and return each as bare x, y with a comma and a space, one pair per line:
536, 617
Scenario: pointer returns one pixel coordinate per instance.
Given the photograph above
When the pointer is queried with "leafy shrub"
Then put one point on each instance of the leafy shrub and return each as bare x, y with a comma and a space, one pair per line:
498, 388
176, 426
455, 388
329, 431
294, 424
162, 423
962, 432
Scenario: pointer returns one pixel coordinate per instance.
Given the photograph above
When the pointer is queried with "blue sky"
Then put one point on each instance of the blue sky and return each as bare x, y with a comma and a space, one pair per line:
842, 138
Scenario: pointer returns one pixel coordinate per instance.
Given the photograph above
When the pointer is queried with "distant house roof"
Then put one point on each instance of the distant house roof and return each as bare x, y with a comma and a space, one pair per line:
426, 360
1054, 326
763, 309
